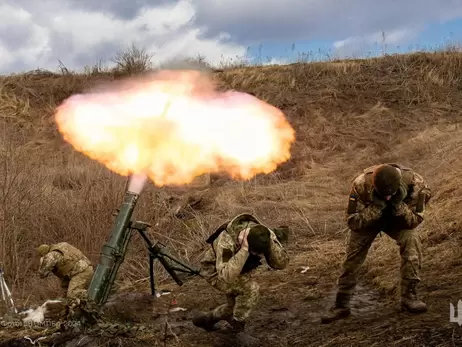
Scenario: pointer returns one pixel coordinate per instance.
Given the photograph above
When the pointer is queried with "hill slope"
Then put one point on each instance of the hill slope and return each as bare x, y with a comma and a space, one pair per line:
347, 115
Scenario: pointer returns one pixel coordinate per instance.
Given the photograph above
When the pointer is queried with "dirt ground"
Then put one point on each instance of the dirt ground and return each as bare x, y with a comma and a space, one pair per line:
347, 116
288, 314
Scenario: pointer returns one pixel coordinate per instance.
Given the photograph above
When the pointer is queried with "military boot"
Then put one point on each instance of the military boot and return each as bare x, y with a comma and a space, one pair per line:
243, 339
205, 321
409, 299
340, 310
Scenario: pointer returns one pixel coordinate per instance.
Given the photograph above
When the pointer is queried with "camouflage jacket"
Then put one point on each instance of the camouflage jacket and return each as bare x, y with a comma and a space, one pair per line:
362, 214
225, 260
63, 260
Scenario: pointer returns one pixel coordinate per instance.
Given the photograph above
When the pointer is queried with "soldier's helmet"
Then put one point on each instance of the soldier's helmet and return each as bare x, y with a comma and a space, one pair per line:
259, 239
386, 179
43, 249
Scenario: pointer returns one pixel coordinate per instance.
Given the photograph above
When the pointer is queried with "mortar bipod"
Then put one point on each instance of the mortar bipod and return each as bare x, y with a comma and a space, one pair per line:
157, 251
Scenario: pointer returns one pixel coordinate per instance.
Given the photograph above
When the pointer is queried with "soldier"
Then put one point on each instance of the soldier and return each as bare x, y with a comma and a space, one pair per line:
69, 264
392, 199
235, 252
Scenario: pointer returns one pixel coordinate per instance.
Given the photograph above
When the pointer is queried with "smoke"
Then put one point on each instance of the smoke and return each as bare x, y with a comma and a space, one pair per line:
186, 64
136, 183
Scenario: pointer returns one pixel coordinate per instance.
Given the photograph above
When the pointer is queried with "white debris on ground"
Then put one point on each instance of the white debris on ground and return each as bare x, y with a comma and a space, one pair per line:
162, 292
37, 315
34, 341
176, 309
304, 269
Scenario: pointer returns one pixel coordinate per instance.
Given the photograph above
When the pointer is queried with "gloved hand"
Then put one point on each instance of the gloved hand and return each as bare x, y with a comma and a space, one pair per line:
399, 197
282, 233
377, 200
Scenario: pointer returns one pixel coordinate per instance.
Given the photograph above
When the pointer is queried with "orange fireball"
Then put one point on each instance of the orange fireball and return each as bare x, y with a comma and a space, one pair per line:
174, 126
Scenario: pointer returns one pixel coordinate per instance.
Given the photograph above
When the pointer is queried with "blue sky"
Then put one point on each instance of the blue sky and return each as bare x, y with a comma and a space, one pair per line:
433, 36
38, 34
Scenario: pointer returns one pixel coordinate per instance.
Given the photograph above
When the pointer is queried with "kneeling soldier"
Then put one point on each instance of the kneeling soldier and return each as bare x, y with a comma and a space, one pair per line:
235, 252
69, 264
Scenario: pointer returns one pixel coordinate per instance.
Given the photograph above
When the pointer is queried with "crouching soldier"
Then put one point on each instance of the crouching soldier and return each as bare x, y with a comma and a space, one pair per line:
235, 252
392, 199
69, 264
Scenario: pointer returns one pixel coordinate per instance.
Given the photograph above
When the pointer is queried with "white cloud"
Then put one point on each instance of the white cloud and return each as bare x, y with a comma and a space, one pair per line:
81, 32
276, 61
354, 25
259, 20
76, 37
357, 45
17, 21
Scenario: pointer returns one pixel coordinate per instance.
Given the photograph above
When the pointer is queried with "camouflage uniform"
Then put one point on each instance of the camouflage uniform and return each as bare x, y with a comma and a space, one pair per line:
229, 269
366, 220
69, 264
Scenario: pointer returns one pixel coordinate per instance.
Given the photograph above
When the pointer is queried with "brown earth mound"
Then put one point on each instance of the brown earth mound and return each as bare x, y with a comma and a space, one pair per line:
347, 116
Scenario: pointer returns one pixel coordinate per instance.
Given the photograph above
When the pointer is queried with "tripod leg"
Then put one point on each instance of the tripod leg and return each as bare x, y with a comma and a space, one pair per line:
151, 274
175, 260
2, 285
169, 269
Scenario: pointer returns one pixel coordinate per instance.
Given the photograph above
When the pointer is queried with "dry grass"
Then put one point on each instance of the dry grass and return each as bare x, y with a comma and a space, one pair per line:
347, 116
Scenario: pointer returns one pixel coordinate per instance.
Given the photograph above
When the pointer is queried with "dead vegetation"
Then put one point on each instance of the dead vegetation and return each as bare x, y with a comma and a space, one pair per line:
347, 116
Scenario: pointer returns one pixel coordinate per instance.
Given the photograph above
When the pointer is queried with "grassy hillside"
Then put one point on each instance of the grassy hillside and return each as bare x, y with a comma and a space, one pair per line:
347, 115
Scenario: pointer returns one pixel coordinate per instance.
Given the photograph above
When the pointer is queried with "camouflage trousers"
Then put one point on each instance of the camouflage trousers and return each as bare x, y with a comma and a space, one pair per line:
77, 285
358, 246
242, 296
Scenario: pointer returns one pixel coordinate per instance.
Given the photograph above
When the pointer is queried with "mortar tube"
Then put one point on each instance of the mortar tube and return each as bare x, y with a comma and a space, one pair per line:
113, 252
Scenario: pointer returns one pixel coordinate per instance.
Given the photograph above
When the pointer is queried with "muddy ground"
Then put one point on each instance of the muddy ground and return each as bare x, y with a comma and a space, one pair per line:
287, 315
